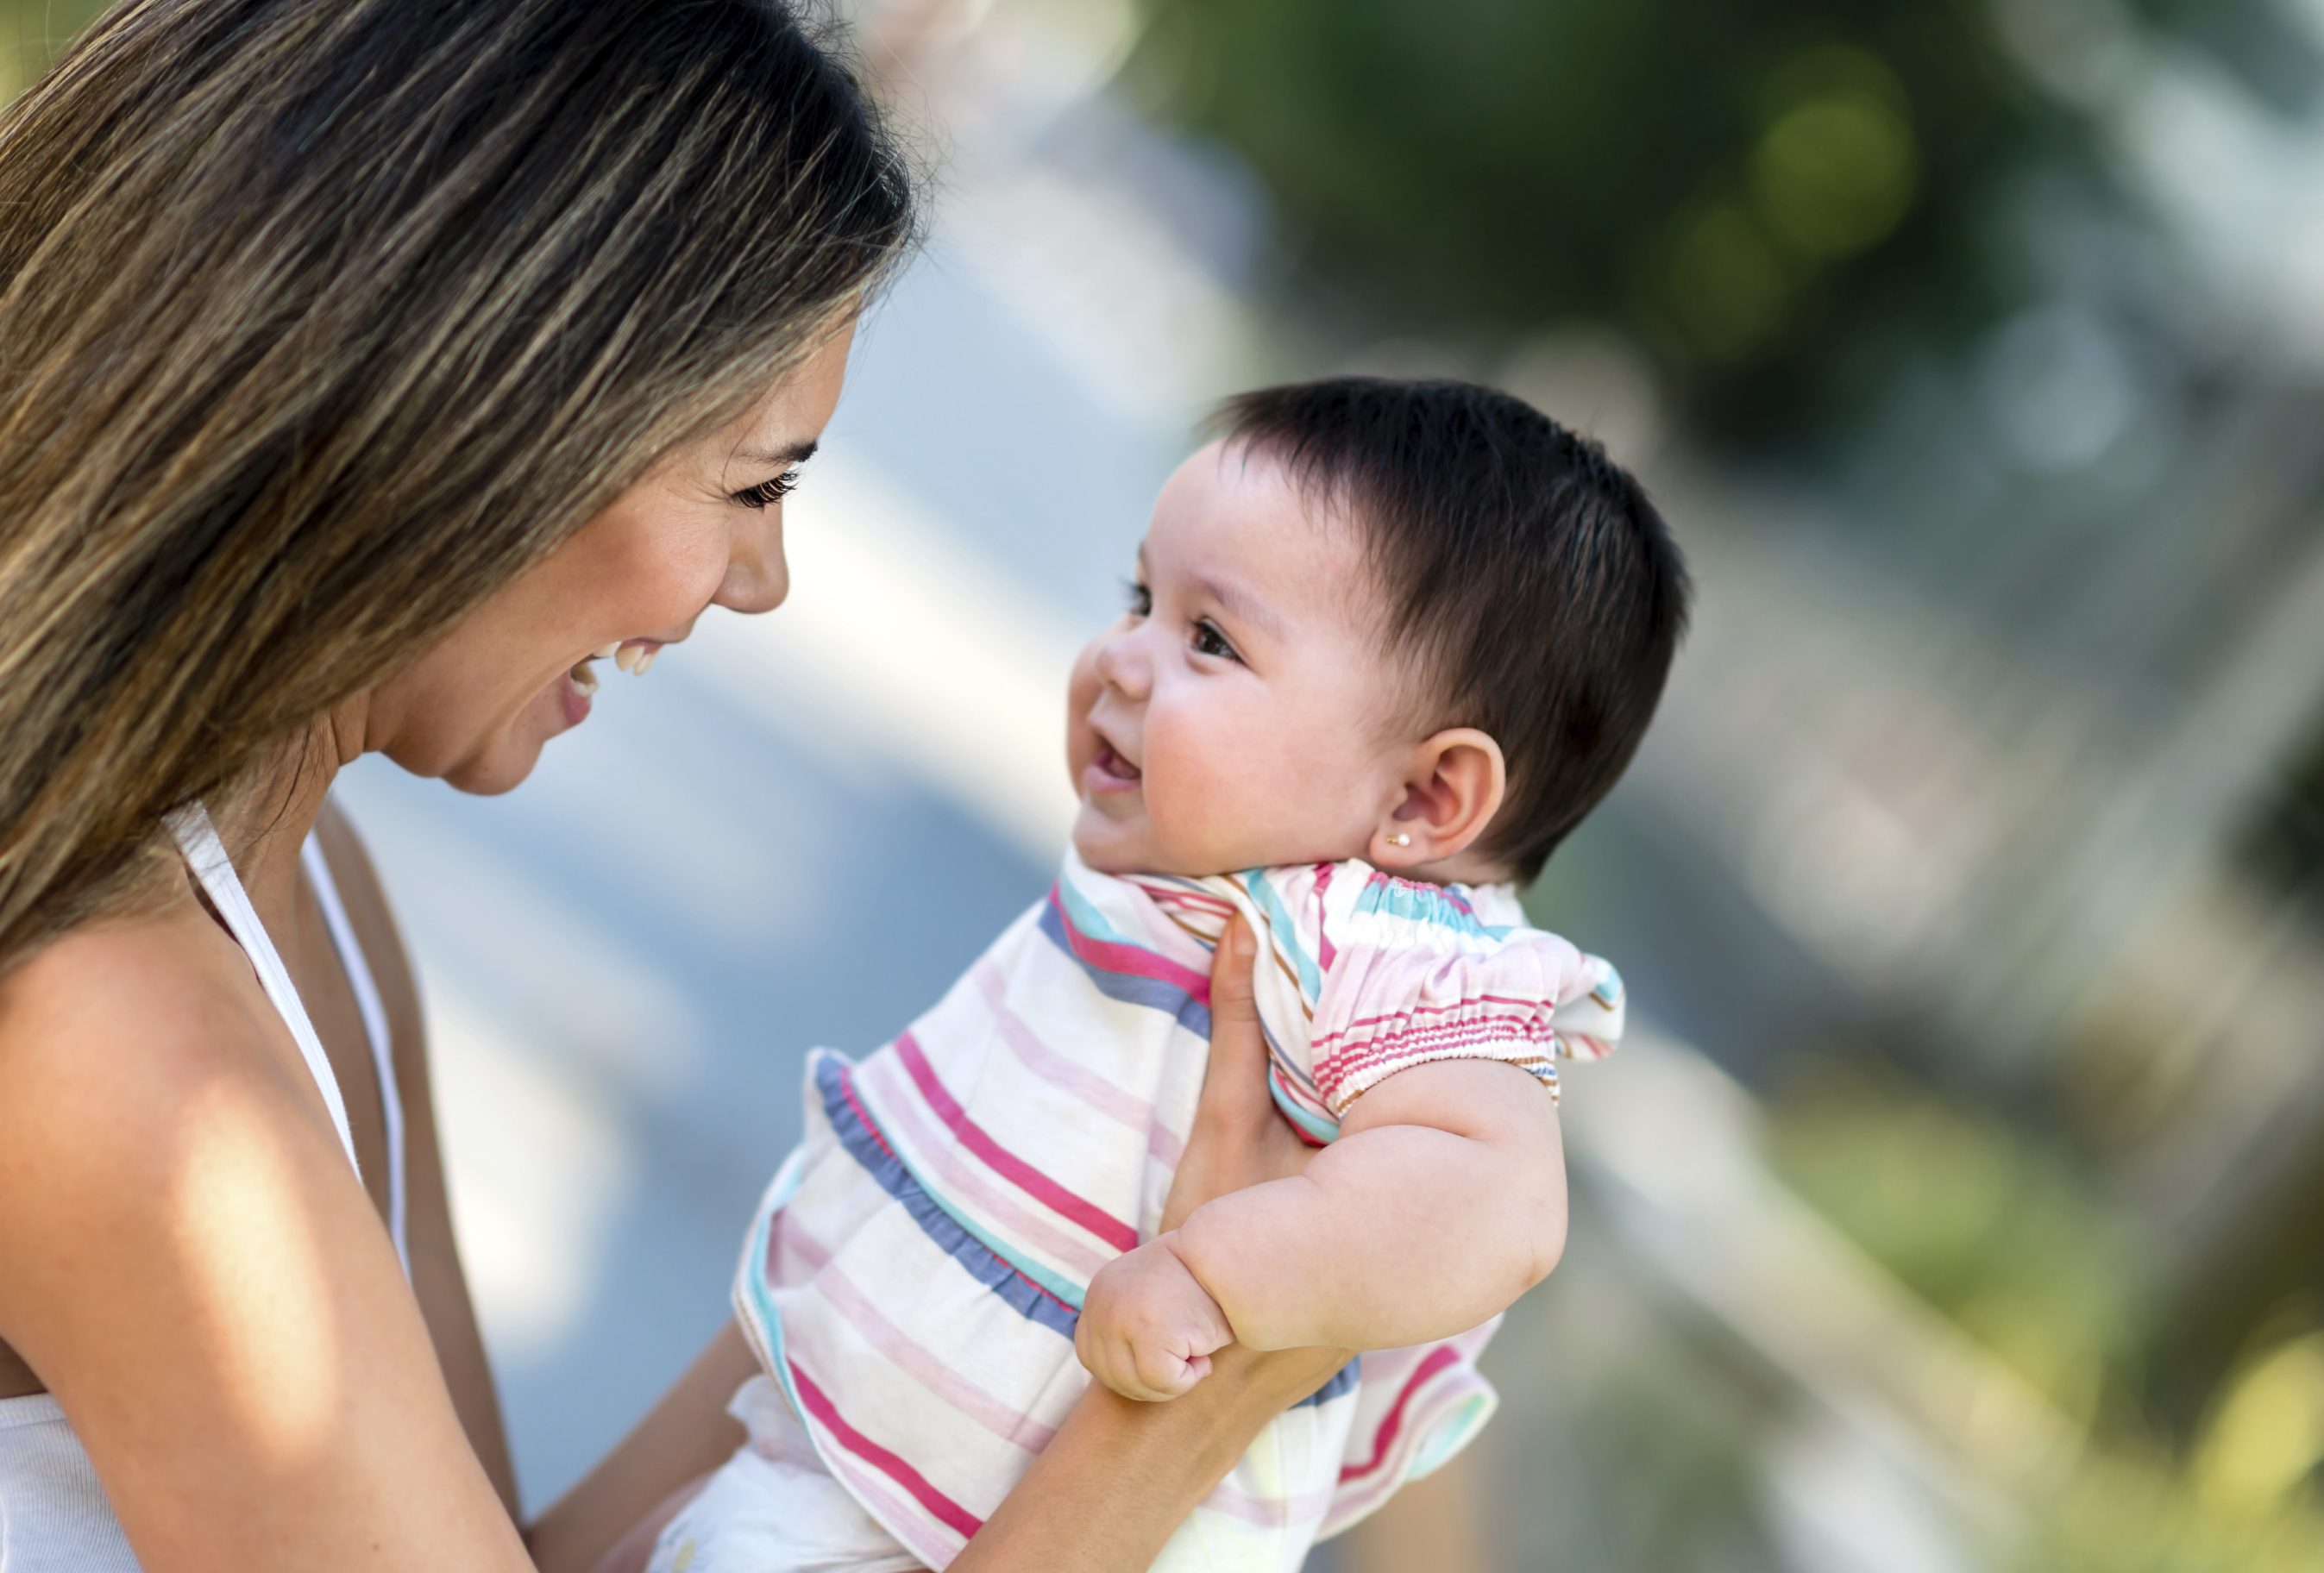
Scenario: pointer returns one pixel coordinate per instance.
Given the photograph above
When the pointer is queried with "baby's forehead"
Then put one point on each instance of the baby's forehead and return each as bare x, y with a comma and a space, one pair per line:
1234, 510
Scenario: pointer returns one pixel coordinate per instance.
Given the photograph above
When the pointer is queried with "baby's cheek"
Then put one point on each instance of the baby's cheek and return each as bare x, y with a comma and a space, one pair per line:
1082, 688
1209, 812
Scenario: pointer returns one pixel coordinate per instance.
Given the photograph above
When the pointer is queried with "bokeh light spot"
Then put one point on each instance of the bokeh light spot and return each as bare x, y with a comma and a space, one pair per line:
1835, 175
1728, 283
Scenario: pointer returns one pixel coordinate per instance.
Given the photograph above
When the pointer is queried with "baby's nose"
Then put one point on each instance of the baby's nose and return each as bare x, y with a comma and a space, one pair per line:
1121, 666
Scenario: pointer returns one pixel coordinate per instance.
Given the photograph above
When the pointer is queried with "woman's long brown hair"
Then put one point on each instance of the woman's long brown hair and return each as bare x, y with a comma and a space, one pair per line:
320, 321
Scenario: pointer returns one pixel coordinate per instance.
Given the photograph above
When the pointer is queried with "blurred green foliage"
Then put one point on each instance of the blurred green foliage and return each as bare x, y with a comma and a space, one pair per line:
1984, 1222
2001, 1232
1784, 201
1779, 198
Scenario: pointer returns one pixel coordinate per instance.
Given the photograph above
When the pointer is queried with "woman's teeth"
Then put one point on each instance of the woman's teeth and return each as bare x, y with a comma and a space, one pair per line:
632, 658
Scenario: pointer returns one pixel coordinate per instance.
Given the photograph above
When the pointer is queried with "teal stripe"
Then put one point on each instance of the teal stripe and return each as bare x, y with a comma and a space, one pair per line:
768, 1321
1609, 992
1420, 904
1323, 1128
1090, 921
1285, 933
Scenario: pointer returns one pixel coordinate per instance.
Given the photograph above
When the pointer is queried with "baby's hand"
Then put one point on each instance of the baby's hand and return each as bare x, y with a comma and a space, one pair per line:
1147, 1328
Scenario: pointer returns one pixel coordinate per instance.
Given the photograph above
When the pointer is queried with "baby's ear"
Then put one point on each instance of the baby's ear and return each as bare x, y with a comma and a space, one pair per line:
1453, 787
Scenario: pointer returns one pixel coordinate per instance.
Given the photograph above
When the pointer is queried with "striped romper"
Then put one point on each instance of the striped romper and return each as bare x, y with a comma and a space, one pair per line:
911, 1279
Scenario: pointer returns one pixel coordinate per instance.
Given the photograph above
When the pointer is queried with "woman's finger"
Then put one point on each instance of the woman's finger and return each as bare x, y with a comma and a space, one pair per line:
1238, 1140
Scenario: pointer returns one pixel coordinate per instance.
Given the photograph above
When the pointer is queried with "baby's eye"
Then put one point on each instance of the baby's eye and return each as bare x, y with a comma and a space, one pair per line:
1209, 641
1140, 598
767, 494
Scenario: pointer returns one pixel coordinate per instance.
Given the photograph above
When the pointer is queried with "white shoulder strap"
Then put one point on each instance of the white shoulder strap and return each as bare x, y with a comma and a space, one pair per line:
376, 1029
197, 838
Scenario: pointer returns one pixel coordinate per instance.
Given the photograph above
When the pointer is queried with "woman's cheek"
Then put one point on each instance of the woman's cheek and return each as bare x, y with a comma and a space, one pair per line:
685, 590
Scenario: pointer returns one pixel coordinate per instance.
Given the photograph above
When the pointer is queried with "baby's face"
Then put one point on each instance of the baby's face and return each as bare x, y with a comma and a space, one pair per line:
1242, 713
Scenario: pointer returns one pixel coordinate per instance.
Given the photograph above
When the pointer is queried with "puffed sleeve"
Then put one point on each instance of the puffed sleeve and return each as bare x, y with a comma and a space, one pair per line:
1414, 972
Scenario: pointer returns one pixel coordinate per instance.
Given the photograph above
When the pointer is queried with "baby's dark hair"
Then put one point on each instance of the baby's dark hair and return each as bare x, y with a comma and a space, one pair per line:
1531, 584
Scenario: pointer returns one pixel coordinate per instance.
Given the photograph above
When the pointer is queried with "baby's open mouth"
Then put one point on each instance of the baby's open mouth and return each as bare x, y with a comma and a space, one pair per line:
1113, 764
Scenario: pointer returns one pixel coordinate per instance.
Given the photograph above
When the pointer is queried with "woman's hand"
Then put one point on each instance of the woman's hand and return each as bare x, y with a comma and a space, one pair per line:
1239, 1139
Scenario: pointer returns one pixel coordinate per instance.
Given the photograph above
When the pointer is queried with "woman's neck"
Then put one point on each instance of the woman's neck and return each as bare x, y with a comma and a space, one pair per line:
264, 823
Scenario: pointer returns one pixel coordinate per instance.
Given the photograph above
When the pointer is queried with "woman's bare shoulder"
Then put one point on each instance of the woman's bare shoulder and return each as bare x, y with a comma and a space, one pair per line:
187, 1261
113, 1036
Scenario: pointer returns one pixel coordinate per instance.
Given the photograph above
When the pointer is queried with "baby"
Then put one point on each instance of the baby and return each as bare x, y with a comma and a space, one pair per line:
1389, 642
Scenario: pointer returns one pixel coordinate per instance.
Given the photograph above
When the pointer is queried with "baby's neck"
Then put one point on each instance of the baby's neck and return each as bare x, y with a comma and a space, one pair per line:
1462, 868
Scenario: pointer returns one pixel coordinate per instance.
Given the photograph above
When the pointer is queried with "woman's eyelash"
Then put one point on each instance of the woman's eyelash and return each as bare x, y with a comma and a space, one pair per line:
767, 494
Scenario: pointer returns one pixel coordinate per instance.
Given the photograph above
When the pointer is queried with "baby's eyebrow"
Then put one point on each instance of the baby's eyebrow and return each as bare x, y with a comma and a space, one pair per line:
1241, 607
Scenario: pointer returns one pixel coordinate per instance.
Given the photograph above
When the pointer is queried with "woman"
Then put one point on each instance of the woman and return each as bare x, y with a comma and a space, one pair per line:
370, 366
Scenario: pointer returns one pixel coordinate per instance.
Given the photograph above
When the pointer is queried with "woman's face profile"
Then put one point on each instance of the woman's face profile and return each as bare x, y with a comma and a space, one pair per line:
703, 528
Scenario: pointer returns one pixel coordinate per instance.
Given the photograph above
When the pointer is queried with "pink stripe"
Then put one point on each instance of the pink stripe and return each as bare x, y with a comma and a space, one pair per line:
1115, 1103
1502, 1029
1074, 1254
1129, 958
1121, 1236
1268, 1512
1468, 1001
1385, 1439
932, 1542
1343, 1081
1200, 900
1390, 1045
915, 1359
1324, 949
944, 1507
787, 1242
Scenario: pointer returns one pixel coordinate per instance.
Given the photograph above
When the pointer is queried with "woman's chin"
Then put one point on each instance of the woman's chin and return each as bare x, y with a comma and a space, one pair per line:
492, 775
502, 762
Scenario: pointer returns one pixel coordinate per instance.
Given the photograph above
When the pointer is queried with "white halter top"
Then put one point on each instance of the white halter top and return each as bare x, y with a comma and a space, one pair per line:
54, 1517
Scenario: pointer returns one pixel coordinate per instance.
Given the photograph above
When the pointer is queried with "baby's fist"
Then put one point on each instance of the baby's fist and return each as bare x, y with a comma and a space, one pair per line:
1147, 1327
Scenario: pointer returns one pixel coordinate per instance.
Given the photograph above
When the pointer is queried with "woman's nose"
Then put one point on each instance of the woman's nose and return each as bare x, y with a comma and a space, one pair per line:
1123, 665
758, 575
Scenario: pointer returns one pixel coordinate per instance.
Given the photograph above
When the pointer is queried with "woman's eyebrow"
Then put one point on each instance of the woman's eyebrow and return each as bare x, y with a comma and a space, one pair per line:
797, 454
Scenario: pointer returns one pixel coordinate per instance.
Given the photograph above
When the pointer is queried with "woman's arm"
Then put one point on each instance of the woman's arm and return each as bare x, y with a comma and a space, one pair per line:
438, 1282
683, 1436
193, 1271
1120, 1476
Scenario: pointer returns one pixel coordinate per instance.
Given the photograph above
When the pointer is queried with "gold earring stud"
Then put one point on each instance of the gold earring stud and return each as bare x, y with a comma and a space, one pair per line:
1399, 839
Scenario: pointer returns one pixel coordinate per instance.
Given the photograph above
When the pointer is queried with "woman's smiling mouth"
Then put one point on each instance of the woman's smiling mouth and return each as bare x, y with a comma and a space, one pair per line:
633, 656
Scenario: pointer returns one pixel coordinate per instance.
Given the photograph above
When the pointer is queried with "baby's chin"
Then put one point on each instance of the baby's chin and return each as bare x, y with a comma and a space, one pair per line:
1109, 847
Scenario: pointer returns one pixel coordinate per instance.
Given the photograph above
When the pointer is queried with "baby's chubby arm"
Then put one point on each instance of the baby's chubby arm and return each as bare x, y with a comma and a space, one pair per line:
1442, 1201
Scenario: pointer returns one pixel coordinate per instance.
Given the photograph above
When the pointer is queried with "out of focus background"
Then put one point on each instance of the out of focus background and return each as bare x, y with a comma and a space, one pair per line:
1960, 1203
